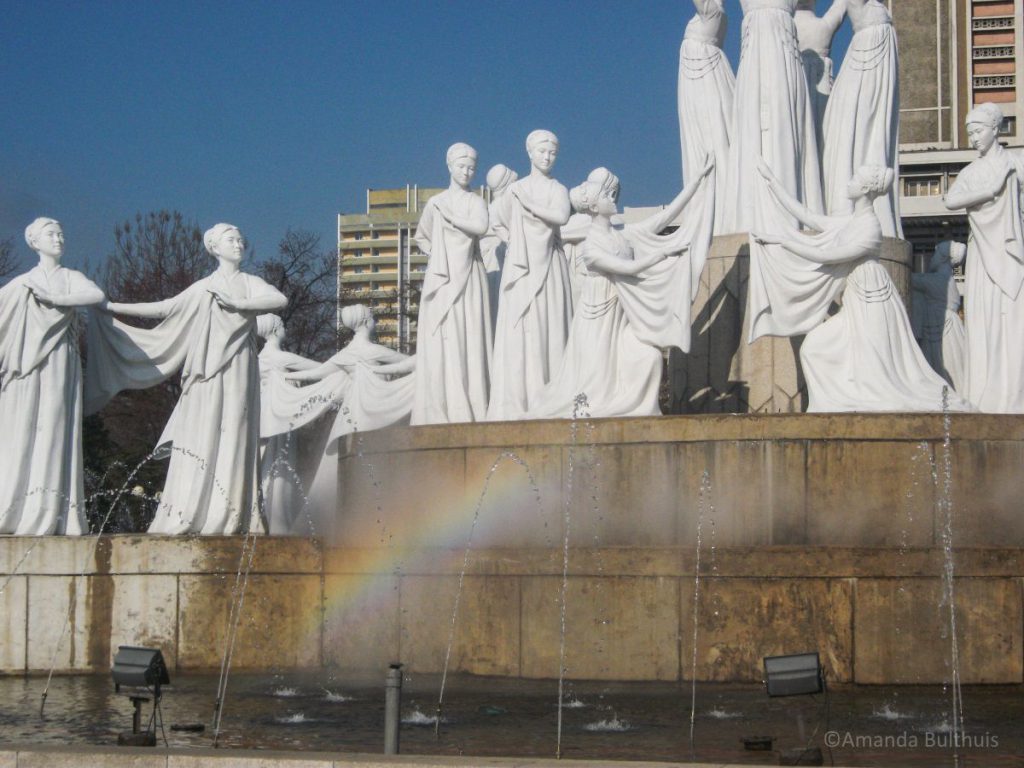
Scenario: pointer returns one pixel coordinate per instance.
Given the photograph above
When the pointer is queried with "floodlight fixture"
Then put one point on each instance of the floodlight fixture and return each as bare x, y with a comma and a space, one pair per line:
793, 675
140, 668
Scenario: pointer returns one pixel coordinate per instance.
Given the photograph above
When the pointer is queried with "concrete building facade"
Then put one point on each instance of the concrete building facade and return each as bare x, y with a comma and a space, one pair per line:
954, 54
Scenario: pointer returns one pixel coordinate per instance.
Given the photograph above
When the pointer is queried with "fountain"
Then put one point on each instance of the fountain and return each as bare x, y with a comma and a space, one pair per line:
484, 549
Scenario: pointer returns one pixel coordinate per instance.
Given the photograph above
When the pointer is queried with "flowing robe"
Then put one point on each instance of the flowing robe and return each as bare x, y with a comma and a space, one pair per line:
862, 118
706, 86
212, 435
772, 119
863, 358
535, 309
41, 486
993, 300
942, 333
622, 322
454, 338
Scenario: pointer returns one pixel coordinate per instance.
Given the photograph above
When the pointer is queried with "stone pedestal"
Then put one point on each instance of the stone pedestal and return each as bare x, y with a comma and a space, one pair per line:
724, 374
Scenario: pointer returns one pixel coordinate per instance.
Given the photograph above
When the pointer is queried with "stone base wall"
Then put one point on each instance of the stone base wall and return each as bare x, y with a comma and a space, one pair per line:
876, 615
723, 373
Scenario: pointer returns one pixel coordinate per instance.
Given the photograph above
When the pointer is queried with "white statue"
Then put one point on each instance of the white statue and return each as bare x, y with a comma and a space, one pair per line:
706, 85
942, 336
862, 117
990, 188
453, 333
208, 332
337, 378
814, 34
633, 302
41, 485
864, 358
279, 479
494, 244
772, 120
535, 308
357, 383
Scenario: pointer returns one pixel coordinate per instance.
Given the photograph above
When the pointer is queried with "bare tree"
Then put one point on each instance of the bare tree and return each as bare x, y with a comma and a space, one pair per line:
9, 262
306, 275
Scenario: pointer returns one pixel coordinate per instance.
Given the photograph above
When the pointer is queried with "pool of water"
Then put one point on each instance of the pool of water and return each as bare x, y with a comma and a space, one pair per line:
869, 725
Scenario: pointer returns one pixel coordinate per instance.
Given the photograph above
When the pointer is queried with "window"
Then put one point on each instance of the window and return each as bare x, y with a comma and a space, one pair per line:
376, 268
1009, 126
922, 186
359, 235
375, 235
357, 254
375, 252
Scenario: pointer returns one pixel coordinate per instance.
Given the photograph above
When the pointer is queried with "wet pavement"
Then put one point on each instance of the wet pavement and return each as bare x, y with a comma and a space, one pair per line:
866, 725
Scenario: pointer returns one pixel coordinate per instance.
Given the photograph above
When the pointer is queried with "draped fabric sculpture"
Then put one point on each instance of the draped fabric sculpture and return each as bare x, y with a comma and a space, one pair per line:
535, 305
814, 35
772, 119
208, 332
634, 301
865, 357
41, 486
942, 334
454, 335
862, 117
279, 480
493, 243
706, 85
990, 188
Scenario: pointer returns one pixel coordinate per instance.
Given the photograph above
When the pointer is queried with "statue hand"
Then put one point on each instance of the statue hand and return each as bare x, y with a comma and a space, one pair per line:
43, 296
765, 170
225, 301
762, 239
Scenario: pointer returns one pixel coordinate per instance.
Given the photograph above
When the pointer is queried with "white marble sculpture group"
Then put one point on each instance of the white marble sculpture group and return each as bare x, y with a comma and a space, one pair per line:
526, 307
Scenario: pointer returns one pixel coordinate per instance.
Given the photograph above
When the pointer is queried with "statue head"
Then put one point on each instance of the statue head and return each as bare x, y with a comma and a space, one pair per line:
498, 179
461, 159
356, 316
947, 252
225, 243
542, 147
270, 326
45, 236
983, 126
870, 181
598, 194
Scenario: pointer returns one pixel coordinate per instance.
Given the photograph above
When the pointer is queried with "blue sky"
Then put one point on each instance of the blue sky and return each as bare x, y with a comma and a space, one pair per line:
277, 115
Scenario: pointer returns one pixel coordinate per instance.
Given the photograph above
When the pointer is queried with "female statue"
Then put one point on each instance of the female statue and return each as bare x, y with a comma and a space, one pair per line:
990, 189
494, 243
535, 308
41, 486
454, 328
862, 117
278, 455
706, 85
814, 35
208, 332
864, 358
942, 331
772, 120
633, 302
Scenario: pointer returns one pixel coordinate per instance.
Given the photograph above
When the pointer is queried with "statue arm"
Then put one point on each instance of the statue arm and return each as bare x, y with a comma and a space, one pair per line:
656, 223
296, 362
154, 310
834, 15
827, 255
316, 373
610, 265
554, 215
425, 227
405, 365
83, 293
965, 195
797, 209
474, 225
